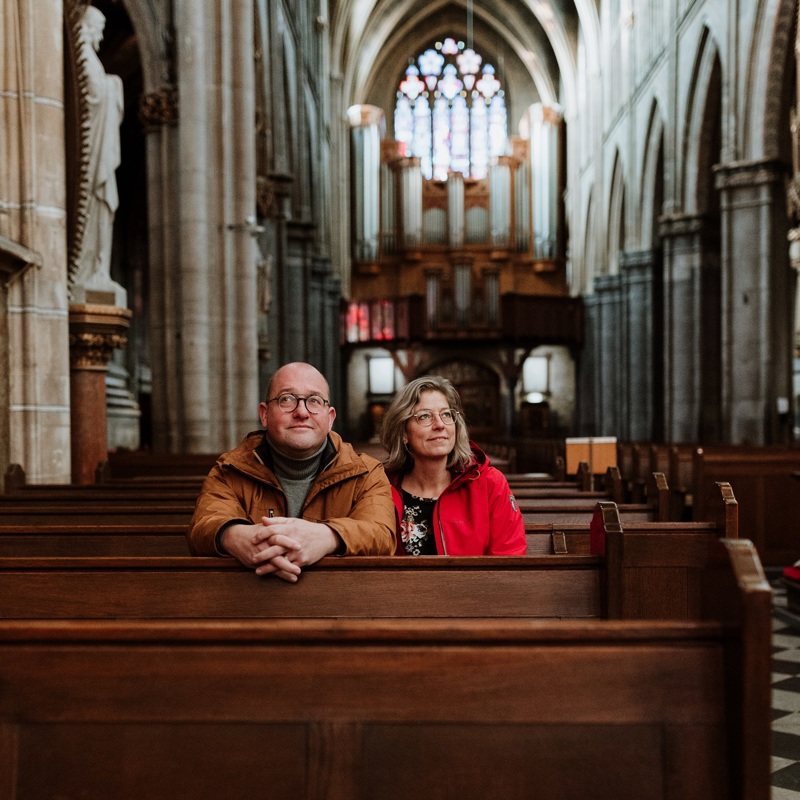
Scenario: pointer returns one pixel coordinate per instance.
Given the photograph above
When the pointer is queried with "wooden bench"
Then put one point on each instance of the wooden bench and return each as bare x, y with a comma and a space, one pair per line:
97, 513
547, 585
135, 464
507, 707
768, 496
581, 514
17, 487
206, 588
94, 539
66, 538
574, 538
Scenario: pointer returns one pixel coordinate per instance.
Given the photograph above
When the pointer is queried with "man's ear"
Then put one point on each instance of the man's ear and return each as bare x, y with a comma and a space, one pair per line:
331, 418
262, 414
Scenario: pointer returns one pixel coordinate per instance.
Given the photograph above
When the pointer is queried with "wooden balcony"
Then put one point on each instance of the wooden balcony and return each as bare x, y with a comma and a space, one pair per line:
522, 320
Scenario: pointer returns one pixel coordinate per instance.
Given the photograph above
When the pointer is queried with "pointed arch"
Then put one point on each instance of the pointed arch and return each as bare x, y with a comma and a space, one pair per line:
616, 217
769, 68
652, 191
591, 250
702, 131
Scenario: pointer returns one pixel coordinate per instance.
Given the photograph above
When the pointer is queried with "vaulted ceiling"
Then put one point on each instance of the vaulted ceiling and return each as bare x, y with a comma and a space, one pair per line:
533, 44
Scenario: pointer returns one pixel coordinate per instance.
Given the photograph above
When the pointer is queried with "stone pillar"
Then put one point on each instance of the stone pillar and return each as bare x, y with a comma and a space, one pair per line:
640, 272
14, 261
682, 237
757, 302
94, 332
158, 113
611, 408
33, 199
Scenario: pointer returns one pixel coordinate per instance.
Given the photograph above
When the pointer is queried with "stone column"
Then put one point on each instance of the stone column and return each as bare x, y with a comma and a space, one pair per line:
682, 237
641, 316
158, 113
94, 332
757, 302
15, 260
33, 200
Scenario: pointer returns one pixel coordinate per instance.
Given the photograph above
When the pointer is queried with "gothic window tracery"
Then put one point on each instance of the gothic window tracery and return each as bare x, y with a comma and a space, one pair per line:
451, 112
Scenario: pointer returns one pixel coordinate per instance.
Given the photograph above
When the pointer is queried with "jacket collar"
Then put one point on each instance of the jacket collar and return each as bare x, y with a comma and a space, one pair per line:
264, 453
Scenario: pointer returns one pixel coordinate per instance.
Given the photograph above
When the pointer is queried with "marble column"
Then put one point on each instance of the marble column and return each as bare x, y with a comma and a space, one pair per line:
95, 331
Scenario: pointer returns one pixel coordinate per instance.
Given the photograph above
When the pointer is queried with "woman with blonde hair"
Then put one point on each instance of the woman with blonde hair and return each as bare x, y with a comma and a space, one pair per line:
448, 497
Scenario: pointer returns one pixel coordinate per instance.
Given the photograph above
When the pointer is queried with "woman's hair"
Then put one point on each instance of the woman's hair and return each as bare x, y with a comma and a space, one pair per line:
400, 412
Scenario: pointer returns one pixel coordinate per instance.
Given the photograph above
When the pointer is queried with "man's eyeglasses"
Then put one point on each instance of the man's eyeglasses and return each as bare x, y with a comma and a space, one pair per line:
425, 418
289, 402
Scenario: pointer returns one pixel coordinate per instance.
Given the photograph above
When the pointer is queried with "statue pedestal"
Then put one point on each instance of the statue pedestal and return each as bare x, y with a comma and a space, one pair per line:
95, 331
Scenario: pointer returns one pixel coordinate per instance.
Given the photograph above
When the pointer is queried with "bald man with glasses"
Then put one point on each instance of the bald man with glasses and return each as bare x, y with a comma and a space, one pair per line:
294, 492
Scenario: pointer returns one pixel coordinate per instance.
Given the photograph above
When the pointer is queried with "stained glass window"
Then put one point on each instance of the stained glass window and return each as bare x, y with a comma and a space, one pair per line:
451, 112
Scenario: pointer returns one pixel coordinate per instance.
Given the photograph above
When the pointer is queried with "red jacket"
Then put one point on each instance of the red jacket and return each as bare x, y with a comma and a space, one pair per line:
476, 515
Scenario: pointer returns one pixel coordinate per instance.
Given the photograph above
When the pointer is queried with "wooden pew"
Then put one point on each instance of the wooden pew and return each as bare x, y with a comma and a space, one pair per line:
90, 540
17, 487
506, 707
557, 493
103, 538
613, 486
681, 482
95, 513
99, 494
220, 588
574, 538
656, 494
581, 514
562, 584
768, 496
136, 464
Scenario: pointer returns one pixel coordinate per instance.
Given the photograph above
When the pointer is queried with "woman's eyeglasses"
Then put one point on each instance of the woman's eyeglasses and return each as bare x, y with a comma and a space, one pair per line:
425, 418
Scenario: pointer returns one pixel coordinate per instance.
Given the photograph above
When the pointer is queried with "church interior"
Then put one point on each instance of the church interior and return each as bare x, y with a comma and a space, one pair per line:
583, 213
596, 239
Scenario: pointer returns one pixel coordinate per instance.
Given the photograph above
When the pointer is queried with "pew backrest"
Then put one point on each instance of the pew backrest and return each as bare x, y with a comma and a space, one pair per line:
629, 710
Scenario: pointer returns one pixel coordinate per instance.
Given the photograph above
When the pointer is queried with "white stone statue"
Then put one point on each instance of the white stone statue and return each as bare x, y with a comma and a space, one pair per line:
92, 278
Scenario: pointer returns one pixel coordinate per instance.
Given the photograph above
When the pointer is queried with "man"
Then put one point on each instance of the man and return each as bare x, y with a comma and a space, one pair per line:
295, 492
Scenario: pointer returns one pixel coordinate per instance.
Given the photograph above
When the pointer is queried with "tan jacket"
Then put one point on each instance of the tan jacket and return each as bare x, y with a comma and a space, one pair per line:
351, 495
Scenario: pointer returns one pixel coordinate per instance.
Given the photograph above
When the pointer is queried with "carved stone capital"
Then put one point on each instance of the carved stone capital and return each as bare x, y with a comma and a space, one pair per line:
159, 107
677, 225
95, 331
748, 173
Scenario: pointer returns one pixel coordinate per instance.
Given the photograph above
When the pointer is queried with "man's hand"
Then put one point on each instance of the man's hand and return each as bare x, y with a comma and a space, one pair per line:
280, 545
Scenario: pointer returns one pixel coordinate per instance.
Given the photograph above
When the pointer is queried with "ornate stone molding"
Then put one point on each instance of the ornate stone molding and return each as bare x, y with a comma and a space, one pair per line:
159, 107
672, 225
95, 331
740, 174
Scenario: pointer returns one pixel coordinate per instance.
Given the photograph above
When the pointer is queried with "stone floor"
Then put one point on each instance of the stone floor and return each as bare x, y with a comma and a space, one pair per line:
785, 698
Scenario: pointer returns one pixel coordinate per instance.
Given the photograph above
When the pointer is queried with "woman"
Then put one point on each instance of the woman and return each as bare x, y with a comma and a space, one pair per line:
449, 500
